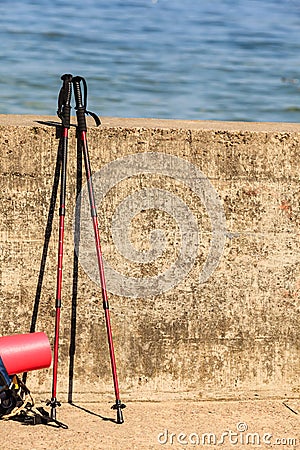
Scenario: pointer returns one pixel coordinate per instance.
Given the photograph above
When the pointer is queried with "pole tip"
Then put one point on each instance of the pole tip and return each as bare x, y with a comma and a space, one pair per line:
53, 403
120, 418
119, 406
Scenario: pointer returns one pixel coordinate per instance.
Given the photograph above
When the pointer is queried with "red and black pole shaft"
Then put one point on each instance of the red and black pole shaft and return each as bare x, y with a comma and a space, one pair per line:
82, 131
64, 112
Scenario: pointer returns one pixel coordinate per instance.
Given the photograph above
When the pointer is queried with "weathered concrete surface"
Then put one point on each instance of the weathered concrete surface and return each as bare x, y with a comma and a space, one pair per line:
234, 336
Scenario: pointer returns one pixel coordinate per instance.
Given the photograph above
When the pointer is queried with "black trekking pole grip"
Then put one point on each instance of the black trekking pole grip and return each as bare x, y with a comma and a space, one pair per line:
80, 105
64, 100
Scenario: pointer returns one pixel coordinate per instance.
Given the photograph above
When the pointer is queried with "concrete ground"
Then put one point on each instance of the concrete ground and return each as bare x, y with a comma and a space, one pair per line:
164, 425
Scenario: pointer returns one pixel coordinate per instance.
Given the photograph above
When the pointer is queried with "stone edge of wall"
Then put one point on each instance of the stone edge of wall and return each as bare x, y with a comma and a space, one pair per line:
148, 123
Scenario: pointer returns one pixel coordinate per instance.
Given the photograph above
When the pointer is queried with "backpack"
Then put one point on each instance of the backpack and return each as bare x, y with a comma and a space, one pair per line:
13, 393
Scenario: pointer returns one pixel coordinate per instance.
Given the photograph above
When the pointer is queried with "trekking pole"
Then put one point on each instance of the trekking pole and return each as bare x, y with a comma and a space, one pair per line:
63, 112
82, 130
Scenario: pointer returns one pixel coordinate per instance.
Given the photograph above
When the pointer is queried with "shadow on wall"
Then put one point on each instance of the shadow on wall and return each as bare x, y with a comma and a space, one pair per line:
47, 237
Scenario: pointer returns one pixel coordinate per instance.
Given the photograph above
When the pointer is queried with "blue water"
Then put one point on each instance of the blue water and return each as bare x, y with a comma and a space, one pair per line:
189, 59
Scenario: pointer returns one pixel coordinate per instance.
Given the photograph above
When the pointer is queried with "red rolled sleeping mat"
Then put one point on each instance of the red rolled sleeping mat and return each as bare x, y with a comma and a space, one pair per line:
25, 352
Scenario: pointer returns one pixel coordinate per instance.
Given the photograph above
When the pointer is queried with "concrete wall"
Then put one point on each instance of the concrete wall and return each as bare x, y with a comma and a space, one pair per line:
228, 327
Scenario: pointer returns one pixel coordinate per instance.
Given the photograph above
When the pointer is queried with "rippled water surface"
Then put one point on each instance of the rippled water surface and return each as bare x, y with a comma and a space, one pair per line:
216, 59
